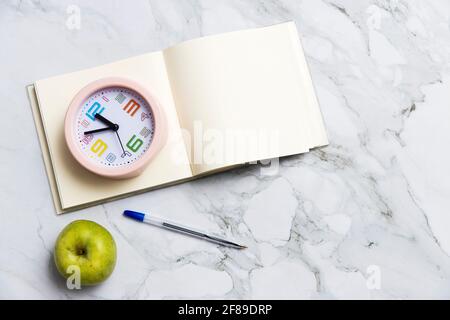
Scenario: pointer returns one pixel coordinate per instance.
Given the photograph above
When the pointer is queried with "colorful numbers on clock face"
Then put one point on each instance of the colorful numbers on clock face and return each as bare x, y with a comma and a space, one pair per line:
114, 148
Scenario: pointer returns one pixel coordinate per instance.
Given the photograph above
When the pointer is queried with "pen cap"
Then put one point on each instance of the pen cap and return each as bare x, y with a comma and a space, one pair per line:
134, 215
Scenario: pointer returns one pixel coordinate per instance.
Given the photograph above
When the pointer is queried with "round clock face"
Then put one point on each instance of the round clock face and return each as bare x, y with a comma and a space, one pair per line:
114, 127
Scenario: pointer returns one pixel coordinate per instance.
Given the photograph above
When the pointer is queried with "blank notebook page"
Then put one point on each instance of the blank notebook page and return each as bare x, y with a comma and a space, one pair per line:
254, 81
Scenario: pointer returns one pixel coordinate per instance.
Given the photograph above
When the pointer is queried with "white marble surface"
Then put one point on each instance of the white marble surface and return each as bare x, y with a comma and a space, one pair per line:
374, 205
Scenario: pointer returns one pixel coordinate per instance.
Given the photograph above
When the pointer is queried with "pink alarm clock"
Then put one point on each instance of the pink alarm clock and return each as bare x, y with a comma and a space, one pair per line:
114, 127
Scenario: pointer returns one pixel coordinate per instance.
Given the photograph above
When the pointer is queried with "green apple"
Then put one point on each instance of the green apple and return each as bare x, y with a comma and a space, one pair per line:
88, 246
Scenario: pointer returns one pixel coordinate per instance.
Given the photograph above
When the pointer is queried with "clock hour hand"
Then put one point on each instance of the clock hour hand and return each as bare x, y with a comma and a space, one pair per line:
97, 130
111, 125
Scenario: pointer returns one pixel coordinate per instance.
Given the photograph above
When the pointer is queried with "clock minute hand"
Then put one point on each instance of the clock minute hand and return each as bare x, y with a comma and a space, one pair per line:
98, 130
110, 124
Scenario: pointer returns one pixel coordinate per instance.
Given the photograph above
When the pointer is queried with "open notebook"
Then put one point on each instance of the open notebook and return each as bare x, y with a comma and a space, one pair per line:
253, 81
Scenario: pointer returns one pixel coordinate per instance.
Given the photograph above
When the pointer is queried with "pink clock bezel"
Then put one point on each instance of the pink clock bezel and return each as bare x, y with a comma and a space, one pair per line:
159, 134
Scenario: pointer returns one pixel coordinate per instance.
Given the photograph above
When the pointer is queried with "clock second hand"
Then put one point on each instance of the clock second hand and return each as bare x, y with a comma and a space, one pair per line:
120, 141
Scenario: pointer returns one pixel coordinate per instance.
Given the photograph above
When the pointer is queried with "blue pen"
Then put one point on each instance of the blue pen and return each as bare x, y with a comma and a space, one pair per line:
179, 228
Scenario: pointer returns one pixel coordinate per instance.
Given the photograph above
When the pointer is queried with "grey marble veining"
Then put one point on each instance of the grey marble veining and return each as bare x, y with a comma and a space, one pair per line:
366, 217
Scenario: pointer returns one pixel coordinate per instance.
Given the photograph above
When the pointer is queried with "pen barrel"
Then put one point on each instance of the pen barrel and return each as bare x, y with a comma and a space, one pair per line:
156, 221
153, 221
198, 234
183, 229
